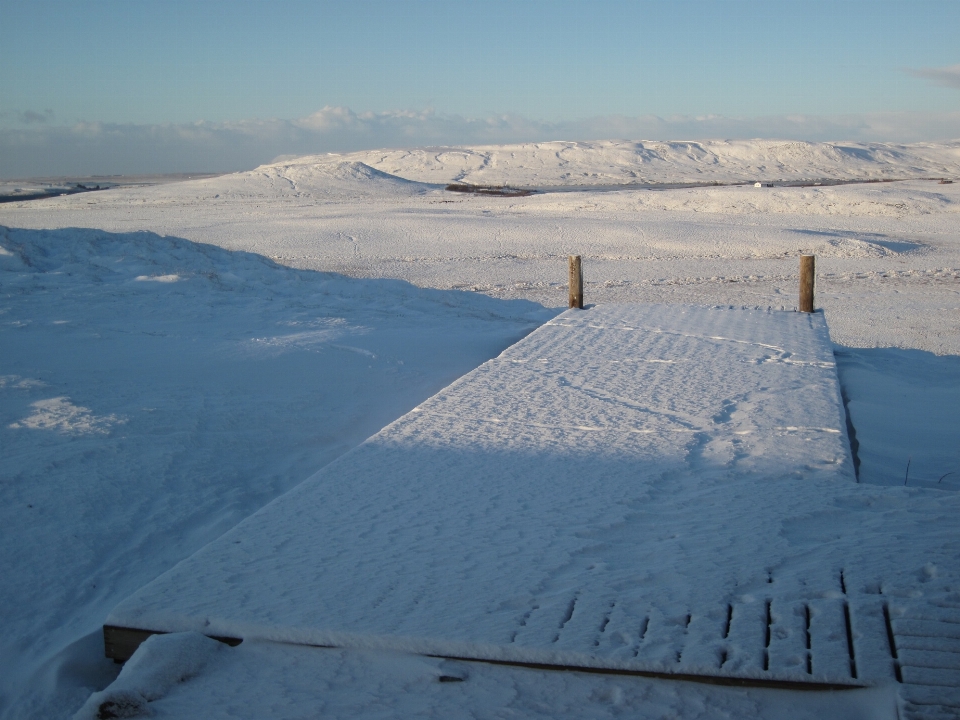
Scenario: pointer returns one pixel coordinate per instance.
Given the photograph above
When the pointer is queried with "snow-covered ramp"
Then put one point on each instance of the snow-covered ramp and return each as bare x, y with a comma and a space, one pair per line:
650, 489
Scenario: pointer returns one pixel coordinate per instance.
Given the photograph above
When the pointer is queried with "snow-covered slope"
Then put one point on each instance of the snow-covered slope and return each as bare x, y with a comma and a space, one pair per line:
325, 179
614, 162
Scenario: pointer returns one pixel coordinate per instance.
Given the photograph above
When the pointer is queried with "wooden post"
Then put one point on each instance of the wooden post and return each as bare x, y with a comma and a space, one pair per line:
807, 275
576, 283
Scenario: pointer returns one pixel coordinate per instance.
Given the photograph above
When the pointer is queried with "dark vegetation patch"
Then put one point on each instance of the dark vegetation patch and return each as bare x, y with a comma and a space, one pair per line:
496, 190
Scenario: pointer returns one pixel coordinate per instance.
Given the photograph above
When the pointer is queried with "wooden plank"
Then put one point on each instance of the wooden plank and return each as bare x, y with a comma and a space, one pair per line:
747, 633
874, 656
788, 649
120, 643
829, 648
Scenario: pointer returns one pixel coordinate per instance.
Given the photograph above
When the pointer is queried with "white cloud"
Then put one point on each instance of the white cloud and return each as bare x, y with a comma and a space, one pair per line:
107, 149
948, 76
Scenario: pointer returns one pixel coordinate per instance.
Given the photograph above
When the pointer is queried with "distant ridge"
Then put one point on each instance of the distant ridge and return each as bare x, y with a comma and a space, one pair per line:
632, 162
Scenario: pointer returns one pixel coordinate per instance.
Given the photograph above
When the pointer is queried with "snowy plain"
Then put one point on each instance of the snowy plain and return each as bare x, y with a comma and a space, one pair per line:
174, 357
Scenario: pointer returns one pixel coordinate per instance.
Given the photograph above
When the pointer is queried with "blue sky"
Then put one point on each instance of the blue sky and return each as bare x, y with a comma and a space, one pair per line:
453, 68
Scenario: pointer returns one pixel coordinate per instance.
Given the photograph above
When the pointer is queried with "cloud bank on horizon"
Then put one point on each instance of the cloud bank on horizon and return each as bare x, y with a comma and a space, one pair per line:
126, 88
98, 148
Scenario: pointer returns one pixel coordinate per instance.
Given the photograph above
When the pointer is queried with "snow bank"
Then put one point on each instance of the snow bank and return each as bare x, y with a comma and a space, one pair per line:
161, 662
905, 406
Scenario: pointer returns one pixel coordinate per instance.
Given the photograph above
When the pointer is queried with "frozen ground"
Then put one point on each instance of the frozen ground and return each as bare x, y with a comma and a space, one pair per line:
142, 417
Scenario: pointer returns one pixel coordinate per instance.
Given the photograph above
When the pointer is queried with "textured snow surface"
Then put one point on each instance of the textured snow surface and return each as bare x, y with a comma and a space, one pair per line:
163, 389
632, 487
887, 253
139, 420
616, 162
318, 682
165, 661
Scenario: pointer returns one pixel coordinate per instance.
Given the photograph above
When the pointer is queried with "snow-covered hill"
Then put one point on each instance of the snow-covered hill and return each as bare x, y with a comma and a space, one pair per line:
615, 162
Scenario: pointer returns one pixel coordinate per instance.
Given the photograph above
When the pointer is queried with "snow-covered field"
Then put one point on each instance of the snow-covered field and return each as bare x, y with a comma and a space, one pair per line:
173, 357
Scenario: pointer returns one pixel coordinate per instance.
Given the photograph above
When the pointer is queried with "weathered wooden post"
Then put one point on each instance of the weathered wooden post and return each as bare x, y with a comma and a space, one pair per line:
807, 275
576, 283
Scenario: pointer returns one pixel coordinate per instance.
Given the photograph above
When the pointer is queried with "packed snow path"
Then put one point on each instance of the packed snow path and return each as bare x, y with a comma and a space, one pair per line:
661, 489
